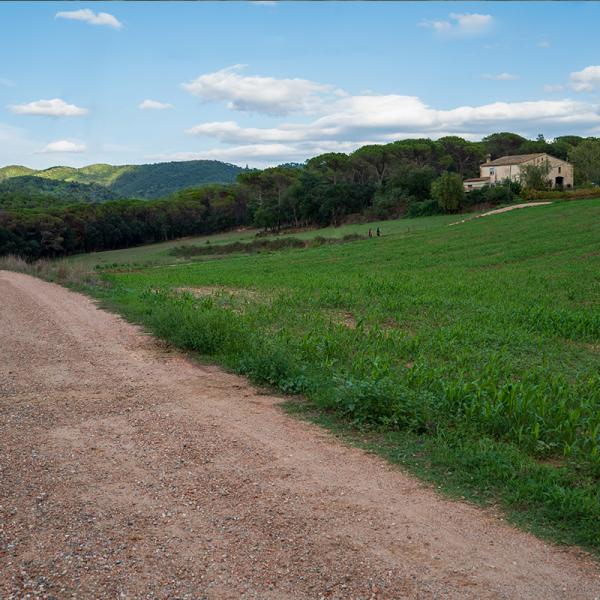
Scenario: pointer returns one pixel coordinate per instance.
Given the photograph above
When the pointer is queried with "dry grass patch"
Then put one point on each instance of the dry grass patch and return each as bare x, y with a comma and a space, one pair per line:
58, 271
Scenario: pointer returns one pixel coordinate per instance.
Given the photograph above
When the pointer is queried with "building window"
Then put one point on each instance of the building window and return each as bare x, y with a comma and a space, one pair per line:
492, 170
559, 168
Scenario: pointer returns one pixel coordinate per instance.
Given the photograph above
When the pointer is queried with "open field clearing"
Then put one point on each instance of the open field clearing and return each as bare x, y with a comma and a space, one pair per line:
129, 471
469, 352
161, 253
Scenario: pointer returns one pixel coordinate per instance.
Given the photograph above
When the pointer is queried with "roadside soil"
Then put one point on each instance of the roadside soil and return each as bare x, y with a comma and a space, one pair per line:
498, 211
127, 471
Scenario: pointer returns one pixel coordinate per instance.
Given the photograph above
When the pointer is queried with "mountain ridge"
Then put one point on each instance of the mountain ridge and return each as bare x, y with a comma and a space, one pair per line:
145, 181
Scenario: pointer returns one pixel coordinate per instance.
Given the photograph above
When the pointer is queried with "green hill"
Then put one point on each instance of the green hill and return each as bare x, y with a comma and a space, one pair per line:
29, 191
15, 171
136, 181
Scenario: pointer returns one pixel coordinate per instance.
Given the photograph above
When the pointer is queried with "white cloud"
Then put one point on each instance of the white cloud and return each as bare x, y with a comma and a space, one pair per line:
388, 117
587, 79
51, 108
544, 44
256, 93
89, 16
461, 24
64, 146
154, 105
264, 2
343, 122
500, 77
231, 132
550, 88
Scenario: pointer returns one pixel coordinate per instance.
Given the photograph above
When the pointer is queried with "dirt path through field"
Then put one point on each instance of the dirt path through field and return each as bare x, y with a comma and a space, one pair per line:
498, 211
126, 471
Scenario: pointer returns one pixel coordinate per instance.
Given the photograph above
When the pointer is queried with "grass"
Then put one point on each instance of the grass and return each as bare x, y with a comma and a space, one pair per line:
160, 254
469, 354
58, 271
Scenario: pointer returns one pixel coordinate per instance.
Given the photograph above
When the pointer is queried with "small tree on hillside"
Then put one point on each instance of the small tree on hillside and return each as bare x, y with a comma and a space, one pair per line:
535, 177
449, 191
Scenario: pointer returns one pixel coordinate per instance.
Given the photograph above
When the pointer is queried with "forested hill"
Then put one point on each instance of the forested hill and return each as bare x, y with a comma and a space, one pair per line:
28, 191
132, 181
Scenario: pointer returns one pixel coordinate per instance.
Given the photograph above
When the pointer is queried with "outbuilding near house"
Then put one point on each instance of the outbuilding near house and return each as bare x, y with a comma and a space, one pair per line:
505, 168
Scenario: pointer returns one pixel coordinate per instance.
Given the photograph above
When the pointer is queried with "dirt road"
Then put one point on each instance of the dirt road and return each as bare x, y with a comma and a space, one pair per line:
129, 472
498, 211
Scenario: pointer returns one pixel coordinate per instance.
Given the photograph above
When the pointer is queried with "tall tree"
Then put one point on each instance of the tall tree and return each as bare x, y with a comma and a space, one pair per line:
466, 156
332, 165
503, 144
586, 161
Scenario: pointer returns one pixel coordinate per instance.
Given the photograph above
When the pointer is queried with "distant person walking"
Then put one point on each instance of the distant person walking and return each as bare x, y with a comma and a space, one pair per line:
378, 232
370, 232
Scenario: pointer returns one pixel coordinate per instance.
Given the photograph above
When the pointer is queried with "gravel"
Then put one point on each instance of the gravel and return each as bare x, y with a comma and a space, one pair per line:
127, 471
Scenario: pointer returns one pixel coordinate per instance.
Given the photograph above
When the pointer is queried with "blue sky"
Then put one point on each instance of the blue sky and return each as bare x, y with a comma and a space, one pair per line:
262, 83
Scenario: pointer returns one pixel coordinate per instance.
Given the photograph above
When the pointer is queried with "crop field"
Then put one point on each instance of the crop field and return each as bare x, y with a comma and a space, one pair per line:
468, 353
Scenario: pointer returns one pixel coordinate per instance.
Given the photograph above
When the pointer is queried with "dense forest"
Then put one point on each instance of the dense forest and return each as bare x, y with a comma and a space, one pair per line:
404, 178
149, 181
28, 191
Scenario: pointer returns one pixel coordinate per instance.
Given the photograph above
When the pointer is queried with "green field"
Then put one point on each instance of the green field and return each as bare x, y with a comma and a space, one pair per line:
157, 254
470, 353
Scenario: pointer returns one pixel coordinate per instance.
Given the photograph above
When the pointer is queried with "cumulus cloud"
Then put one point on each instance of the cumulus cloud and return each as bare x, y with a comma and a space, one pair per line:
154, 105
342, 122
50, 108
587, 79
256, 93
461, 24
89, 16
63, 146
387, 117
500, 77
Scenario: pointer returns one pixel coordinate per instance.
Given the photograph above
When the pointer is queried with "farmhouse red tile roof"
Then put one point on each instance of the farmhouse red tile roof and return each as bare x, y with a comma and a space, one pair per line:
516, 159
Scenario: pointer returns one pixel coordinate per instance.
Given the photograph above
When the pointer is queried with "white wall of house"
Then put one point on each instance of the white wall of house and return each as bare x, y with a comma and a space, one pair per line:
559, 168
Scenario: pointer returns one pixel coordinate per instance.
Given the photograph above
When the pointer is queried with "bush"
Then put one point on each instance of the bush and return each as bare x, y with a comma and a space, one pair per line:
427, 208
536, 176
497, 194
449, 192
580, 194
261, 245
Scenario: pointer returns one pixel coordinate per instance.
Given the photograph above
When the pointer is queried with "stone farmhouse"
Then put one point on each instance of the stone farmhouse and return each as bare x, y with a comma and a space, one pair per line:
497, 171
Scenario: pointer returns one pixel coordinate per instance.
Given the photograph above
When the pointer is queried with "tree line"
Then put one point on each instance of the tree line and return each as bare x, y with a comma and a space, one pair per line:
409, 177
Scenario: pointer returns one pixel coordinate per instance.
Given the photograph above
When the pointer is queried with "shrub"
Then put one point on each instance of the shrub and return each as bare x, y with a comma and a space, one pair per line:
424, 209
449, 192
535, 177
262, 245
579, 194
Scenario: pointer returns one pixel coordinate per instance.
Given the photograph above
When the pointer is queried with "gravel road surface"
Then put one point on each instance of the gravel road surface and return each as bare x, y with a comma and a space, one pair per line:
127, 471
